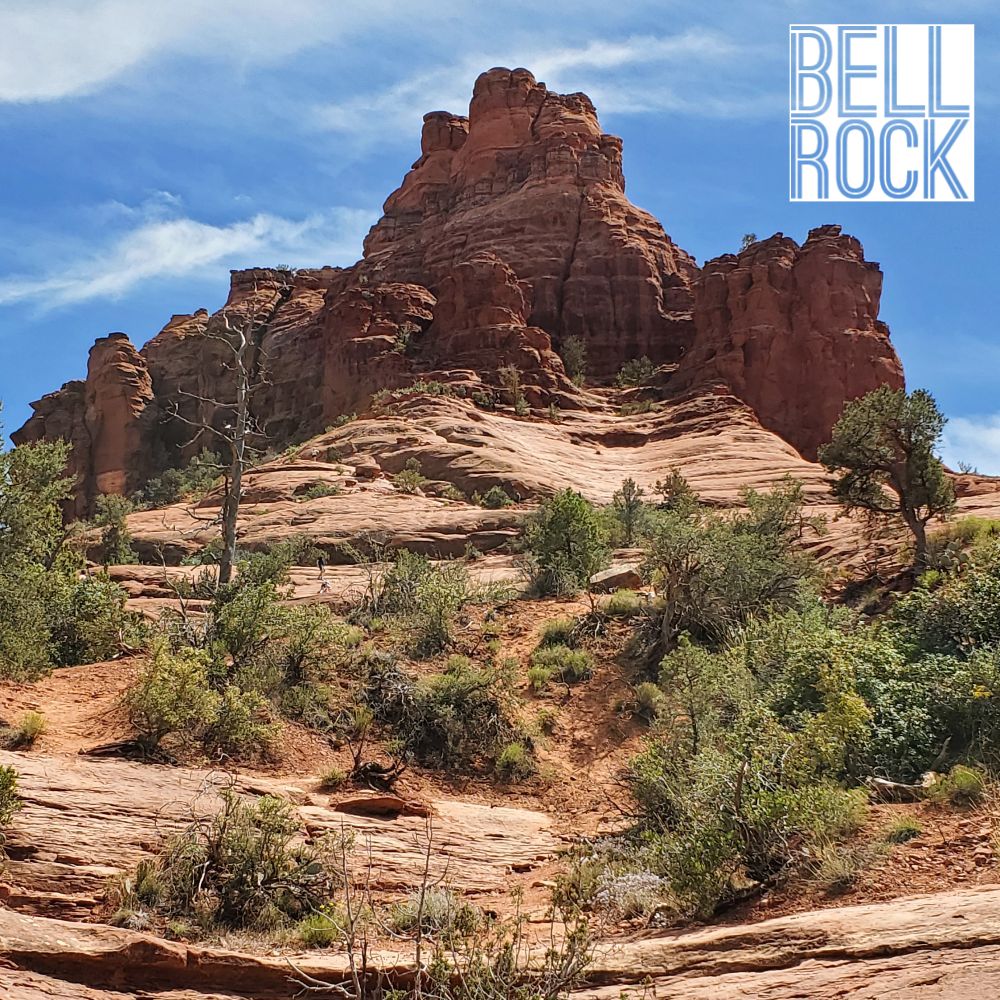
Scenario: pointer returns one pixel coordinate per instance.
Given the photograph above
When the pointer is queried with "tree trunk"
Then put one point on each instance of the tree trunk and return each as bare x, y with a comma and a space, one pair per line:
231, 507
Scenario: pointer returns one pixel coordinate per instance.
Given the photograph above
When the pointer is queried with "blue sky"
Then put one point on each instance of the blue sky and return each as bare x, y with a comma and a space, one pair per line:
148, 147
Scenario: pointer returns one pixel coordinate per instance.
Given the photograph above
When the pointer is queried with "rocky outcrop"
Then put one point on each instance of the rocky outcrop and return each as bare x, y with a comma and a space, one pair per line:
111, 421
531, 177
793, 331
509, 235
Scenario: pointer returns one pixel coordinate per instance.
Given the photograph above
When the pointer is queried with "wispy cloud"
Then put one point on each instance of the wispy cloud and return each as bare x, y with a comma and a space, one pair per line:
973, 440
666, 73
160, 248
52, 49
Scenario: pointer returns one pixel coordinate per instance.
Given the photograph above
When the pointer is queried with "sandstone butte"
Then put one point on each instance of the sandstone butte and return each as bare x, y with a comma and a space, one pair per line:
510, 234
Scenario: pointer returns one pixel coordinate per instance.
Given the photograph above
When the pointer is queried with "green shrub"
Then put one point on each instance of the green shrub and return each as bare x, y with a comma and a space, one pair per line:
10, 800
318, 490
539, 677
570, 665
453, 719
89, 622
116, 541
515, 762
565, 544
425, 597
547, 720
437, 912
410, 479
246, 867
574, 356
904, 829
837, 867
193, 481
171, 695
629, 510
242, 726
715, 573
635, 371
636, 408
962, 787
333, 779
558, 632
650, 700
21, 736
495, 498
623, 604
322, 929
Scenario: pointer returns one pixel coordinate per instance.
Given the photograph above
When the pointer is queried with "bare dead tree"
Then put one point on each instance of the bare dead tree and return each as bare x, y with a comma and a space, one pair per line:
240, 436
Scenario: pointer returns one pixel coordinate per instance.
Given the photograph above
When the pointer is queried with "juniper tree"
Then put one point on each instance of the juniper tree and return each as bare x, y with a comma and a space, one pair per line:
883, 454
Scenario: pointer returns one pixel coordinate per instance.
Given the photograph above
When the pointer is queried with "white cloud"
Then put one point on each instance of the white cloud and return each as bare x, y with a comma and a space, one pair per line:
975, 440
692, 59
52, 49
182, 247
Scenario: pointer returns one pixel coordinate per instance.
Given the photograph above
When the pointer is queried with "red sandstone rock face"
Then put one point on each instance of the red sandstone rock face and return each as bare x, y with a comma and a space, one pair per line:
530, 177
793, 331
110, 419
510, 233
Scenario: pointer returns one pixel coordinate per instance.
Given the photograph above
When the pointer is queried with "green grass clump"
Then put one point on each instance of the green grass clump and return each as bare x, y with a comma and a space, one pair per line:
558, 632
570, 665
903, 829
515, 762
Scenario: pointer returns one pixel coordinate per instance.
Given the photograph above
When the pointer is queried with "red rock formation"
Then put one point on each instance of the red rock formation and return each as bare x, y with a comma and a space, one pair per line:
793, 331
110, 420
510, 233
530, 177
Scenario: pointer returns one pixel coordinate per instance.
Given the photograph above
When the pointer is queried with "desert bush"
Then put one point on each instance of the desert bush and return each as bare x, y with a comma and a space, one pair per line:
962, 786
649, 700
629, 510
425, 597
89, 621
713, 574
333, 779
495, 498
10, 800
318, 490
636, 408
635, 371
558, 632
904, 829
623, 604
322, 929
409, 479
836, 867
569, 665
452, 719
436, 912
245, 867
565, 543
547, 720
510, 380
24, 732
193, 480
242, 726
171, 695
111, 517
539, 677
573, 352
515, 762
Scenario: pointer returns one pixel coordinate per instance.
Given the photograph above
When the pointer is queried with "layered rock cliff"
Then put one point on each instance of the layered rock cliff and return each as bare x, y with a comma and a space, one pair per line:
510, 234
793, 331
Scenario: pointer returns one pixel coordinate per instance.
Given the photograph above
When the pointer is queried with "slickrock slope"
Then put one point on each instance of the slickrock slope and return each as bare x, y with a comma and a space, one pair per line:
939, 947
510, 234
86, 819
